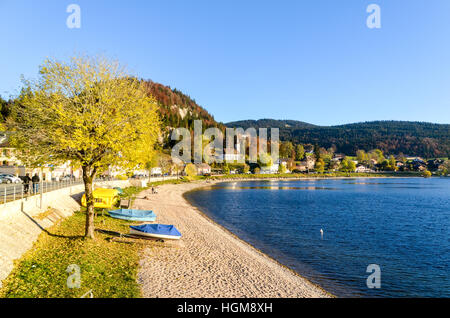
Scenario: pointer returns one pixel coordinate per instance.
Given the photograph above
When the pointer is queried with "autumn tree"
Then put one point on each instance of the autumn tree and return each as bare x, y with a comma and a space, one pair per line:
320, 165
190, 170
376, 155
392, 163
87, 111
347, 165
165, 162
299, 152
351, 166
286, 149
317, 154
265, 160
361, 156
426, 174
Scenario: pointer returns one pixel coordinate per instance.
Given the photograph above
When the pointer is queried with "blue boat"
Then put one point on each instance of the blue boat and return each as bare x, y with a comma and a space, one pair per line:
159, 231
133, 215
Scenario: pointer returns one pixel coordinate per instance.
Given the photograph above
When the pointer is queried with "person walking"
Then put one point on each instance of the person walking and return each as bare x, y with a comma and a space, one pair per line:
35, 181
26, 183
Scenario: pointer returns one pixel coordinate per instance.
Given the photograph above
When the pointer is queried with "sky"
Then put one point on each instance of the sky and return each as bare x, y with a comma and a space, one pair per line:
309, 60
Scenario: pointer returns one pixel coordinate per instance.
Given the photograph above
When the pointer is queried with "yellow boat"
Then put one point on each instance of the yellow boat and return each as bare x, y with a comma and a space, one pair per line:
103, 198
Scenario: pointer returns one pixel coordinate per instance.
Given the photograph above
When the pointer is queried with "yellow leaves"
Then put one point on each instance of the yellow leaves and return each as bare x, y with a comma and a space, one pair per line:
90, 107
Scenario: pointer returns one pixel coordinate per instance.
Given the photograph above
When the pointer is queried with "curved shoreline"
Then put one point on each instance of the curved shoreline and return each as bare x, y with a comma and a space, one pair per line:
210, 261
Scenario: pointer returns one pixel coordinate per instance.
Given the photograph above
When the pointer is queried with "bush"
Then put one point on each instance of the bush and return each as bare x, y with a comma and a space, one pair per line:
426, 174
190, 170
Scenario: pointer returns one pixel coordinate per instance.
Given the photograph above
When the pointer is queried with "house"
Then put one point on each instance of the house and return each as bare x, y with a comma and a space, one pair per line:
338, 156
8, 162
363, 169
203, 168
300, 167
310, 162
156, 171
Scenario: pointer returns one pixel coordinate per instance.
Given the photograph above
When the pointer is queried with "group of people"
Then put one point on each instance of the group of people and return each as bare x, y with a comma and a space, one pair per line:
33, 180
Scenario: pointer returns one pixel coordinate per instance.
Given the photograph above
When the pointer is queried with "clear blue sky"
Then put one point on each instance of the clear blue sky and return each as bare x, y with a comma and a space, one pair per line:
309, 60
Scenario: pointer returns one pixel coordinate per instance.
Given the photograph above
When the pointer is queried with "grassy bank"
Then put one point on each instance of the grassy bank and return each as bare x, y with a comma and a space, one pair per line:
318, 175
107, 268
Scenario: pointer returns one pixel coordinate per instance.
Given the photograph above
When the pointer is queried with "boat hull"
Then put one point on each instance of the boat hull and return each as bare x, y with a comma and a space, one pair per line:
133, 215
154, 235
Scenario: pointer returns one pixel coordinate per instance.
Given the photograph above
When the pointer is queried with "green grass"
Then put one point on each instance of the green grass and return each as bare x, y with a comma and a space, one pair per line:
109, 269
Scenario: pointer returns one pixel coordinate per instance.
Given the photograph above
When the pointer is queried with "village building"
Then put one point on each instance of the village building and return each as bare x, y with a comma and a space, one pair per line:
363, 169
203, 168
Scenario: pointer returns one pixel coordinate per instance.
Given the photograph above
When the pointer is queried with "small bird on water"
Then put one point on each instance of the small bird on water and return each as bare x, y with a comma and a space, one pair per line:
321, 233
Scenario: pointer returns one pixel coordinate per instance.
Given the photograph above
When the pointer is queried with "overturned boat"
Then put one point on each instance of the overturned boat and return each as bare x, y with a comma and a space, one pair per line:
158, 231
133, 215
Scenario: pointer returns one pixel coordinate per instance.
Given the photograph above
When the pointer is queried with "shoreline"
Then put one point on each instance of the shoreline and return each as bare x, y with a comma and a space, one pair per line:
210, 261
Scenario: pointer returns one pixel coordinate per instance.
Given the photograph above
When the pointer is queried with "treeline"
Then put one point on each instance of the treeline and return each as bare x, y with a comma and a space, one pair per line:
5, 109
394, 137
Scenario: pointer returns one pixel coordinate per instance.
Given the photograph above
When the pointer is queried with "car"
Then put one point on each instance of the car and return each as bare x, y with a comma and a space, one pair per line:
10, 178
4, 180
67, 178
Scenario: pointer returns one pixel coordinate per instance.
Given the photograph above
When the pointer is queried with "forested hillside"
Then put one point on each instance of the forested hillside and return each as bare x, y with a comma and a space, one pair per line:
178, 109
393, 137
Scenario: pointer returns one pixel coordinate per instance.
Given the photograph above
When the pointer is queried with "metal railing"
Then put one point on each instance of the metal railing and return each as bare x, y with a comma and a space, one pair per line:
18, 191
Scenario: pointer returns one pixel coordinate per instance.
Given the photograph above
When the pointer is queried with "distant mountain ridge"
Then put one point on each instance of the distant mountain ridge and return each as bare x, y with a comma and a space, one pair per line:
393, 137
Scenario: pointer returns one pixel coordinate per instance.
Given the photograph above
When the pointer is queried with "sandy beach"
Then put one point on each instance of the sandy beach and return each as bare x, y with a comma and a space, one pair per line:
209, 261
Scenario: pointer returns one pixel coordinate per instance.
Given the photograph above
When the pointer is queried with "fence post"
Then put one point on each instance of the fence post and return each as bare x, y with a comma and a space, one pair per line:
41, 187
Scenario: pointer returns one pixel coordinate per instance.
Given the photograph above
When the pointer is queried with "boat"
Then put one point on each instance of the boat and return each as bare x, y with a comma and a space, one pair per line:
103, 198
119, 190
133, 215
159, 231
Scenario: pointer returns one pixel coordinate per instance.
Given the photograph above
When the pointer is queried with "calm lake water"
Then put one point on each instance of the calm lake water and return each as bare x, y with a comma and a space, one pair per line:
402, 225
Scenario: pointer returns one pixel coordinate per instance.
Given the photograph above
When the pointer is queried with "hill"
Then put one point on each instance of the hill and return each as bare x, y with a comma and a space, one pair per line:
178, 109
393, 137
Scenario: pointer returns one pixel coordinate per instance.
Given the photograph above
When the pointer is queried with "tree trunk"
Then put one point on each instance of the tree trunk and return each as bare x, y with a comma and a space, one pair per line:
88, 178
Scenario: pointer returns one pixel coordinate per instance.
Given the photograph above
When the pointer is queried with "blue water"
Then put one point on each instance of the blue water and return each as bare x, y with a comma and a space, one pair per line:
402, 225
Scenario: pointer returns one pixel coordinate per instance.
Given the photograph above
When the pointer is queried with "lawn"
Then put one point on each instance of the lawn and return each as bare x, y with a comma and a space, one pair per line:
107, 268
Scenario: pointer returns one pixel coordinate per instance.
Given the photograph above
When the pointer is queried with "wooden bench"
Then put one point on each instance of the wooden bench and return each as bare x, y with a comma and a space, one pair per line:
125, 203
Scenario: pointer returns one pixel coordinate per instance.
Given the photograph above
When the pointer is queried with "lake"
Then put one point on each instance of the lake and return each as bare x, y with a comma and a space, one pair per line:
400, 224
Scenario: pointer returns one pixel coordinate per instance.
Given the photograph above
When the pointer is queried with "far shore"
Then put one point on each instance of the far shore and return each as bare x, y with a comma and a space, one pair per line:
209, 261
